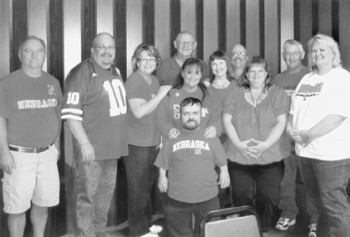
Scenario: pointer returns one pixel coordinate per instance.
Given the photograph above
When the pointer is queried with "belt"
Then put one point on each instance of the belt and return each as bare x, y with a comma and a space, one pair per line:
29, 149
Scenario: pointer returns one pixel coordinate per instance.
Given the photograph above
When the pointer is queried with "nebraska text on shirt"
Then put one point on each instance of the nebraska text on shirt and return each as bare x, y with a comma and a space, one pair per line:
189, 144
36, 104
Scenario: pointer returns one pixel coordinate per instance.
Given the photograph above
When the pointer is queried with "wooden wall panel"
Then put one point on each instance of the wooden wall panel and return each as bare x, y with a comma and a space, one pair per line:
120, 35
304, 14
210, 27
161, 27
5, 28
88, 26
134, 29
233, 24
272, 43
104, 16
72, 34
19, 31
175, 22
148, 21
37, 20
188, 16
286, 26
325, 16
252, 27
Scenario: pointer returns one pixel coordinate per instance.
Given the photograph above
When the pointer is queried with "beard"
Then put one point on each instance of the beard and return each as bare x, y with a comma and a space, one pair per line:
191, 125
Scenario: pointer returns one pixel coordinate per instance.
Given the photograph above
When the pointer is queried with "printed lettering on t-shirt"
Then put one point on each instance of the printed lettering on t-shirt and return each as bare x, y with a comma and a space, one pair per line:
306, 91
36, 104
196, 145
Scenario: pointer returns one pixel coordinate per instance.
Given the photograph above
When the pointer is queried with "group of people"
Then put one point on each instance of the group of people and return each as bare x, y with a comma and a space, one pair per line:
196, 128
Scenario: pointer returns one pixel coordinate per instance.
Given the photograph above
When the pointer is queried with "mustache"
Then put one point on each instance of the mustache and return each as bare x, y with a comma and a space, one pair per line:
106, 55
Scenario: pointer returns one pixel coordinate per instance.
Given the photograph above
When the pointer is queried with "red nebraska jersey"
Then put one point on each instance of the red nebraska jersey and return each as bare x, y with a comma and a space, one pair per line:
97, 98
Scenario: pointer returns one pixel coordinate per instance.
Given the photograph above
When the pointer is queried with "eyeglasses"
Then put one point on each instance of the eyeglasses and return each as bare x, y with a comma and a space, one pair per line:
241, 55
101, 47
38, 51
185, 43
293, 54
147, 60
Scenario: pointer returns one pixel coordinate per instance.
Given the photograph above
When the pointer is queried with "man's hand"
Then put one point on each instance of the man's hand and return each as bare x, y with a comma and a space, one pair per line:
7, 163
224, 179
163, 183
87, 152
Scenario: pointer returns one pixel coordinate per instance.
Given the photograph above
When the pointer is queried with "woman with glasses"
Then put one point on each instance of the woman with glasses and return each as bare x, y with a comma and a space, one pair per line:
255, 117
143, 96
188, 84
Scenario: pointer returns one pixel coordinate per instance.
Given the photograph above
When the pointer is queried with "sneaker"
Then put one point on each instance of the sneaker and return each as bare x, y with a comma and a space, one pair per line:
313, 230
156, 229
284, 223
150, 234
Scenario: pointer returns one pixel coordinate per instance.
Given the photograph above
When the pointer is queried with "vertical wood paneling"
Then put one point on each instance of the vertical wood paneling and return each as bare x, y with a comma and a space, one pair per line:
37, 24
252, 27
104, 16
88, 26
233, 23
188, 16
175, 22
19, 31
210, 25
325, 16
148, 21
120, 35
55, 60
221, 25
72, 34
5, 27
271, 42
344, 32
286, 25
134, 29
162, 27
199, 28
304, 14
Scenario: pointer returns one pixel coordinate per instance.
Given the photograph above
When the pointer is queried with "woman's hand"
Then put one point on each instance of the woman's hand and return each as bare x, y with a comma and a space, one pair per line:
244, 148
257, 147
163, 90
163, 183
210, 132
173, 133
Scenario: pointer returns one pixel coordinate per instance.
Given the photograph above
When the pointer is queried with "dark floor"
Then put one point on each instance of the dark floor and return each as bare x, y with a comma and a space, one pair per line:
299, 230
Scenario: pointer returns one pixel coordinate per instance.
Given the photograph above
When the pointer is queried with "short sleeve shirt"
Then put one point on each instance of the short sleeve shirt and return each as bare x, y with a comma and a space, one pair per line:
97, 98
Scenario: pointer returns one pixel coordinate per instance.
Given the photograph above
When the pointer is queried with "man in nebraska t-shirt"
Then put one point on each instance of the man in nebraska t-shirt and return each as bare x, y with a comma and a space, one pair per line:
191, 183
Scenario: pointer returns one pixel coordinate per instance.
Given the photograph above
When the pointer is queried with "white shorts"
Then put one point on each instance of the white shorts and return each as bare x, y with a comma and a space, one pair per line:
35, 180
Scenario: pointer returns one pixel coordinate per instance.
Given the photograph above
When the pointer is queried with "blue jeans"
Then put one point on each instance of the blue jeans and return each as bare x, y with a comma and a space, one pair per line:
293, 190
326, 183
178, 216
141, 178
95, 185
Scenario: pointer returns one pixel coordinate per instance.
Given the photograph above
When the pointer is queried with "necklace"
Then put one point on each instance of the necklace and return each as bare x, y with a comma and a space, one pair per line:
257, 100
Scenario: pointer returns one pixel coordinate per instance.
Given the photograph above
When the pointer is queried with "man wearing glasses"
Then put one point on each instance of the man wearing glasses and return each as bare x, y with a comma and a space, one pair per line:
239, 58
169, 70
95, 109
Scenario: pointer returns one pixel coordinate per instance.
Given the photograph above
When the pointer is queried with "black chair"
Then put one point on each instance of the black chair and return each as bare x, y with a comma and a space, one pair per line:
231, 222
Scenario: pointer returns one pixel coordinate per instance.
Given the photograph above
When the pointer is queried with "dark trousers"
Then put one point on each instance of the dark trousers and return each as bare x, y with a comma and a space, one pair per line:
141, 176
257, 186
178, 216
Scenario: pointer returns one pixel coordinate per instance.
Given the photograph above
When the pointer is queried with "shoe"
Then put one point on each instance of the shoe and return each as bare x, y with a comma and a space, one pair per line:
156, 229
313, 230
150, 234
284, 223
